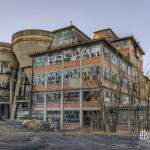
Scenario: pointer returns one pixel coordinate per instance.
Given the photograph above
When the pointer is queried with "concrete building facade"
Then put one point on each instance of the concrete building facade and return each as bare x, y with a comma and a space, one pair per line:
73, 81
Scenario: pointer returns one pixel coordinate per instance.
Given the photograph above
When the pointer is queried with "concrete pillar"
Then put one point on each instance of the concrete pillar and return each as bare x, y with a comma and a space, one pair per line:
45, 95
62, 102
11, 93
61, 112
81, 105
44, 117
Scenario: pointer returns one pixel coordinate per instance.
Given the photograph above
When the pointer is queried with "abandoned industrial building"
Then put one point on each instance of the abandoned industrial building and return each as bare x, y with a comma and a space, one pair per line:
74, 81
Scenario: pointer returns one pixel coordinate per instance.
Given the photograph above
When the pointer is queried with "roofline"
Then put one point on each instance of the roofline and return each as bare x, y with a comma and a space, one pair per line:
31, 32
5, 44
134, 40
105, 30
69, 27
81, 44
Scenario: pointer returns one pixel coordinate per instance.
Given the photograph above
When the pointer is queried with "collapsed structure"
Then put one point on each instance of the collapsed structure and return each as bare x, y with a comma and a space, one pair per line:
74, 81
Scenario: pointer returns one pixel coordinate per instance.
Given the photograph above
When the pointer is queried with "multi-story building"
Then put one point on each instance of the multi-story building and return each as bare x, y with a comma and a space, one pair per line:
74, 81
77, 77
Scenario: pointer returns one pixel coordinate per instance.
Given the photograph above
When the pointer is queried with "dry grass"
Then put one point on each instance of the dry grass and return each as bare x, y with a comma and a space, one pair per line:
89, 132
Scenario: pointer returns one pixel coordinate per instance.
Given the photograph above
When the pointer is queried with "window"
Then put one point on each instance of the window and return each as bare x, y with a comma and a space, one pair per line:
106, 52
38, 98
125, 99
71, 75
71, 96
114, 58
91, 95
71, 55
129, 70
92, 51
39, 79
124, 66
64, 37
54, 115
4, 98
115, 77
107, 74
54, 97
4, 84
55, 58
40, 61
90, 73
123, 117
71, 116
4, 66
54, 77
39, 114
68, 35
107, 95
57, 38
122, 44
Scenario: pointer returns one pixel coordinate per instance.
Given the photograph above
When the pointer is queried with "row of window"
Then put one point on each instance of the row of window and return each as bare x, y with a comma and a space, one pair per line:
70, 116
87, 52
63, 37
88, 74
74, 96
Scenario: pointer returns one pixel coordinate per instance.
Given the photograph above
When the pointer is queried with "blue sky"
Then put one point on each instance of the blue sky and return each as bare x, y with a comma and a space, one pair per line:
123, 16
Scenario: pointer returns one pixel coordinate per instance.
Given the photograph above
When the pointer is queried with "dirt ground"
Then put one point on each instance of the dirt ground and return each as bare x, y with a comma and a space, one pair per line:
47, 141
32, 140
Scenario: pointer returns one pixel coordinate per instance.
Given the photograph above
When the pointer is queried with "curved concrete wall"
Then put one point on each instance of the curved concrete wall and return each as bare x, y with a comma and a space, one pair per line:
26, 42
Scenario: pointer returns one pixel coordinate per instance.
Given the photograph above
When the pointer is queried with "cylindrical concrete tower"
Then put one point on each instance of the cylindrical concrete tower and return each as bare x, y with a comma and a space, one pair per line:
26, 42
8, 62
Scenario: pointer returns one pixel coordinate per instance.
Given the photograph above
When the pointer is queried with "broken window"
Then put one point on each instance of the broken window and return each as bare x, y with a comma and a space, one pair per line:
69, 75
57, 38
39, 114
125, 99
39, 79
72, 55
122, 117
63, 37
54, 77
54, 115
124, 66
129, 70
122, 44
55, 58
91, 95
107, 95
115, 77
40, 61
71, 96
4, 66
71, 116
53, 97
106, 51
114, 58
4, 84
38, 98
67, 35
90, 73
107, 73
92, 51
